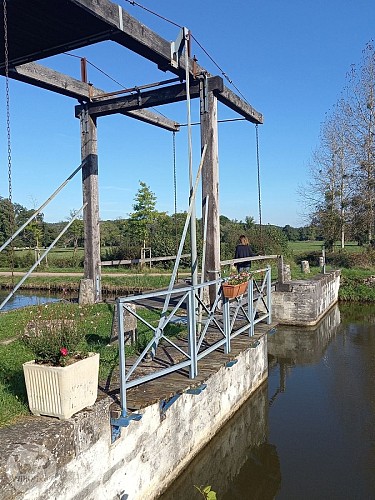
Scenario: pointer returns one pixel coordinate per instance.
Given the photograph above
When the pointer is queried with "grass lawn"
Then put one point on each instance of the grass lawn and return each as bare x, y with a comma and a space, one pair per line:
304, 247
96, 323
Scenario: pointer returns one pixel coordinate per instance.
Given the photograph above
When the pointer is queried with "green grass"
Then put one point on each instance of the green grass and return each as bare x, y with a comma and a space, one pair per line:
304, 247
95, 321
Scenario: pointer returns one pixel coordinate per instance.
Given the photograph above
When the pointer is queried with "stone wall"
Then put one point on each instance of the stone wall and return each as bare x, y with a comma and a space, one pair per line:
305, 302
75, 459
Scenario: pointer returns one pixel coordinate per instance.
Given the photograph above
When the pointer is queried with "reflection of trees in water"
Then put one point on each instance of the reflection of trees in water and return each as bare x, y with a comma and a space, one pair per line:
357, 313
238, 462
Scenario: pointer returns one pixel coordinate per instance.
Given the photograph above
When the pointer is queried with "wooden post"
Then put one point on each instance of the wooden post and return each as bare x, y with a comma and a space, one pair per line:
89, 154
210, 182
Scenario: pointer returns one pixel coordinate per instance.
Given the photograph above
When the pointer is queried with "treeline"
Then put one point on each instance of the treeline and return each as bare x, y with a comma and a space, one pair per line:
124, 238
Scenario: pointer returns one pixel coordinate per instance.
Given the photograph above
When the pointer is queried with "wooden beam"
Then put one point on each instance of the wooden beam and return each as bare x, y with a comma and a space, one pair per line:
150, 98
137, 37
241, 107
41, 76
90, 189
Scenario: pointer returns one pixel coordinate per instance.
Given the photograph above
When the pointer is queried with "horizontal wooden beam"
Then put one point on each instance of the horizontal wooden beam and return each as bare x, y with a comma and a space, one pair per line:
150, 98
240, 106
49, 79
130, 33
141, 261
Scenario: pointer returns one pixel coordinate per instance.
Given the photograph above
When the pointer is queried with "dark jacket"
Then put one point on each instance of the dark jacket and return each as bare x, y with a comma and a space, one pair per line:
241, 252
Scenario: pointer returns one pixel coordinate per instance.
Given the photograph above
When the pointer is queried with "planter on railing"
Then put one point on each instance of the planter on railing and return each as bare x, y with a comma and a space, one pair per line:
232, 291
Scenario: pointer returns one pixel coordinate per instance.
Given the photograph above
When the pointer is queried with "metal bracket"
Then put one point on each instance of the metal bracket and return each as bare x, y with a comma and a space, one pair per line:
196, 390
117, 423
177, 47
164, 404
254, 344
231, 363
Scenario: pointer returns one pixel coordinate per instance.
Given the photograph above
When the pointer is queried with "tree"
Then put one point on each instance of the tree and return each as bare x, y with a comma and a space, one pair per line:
360, 113
75, 231
144, 215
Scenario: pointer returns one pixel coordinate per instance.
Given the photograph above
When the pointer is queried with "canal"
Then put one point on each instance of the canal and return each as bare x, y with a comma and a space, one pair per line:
309, 431
27, 298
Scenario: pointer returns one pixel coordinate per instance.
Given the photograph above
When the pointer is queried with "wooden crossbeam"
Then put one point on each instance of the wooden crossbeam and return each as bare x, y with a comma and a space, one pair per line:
150, 98
49, 79
134, 35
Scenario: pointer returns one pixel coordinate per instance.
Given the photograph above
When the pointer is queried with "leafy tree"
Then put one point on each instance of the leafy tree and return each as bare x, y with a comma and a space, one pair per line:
144, 215
75, 232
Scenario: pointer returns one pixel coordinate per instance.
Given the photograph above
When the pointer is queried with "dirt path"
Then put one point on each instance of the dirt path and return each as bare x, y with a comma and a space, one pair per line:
47, 274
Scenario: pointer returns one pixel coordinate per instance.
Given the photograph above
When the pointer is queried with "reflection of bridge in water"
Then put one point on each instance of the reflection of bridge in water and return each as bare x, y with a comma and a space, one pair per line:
238, 459
291, 346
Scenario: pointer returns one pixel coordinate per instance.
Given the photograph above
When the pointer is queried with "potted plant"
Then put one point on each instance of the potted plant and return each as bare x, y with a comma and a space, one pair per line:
236, 284
63, 377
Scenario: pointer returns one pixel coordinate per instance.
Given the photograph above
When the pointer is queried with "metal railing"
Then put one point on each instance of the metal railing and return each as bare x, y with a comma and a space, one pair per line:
212, 328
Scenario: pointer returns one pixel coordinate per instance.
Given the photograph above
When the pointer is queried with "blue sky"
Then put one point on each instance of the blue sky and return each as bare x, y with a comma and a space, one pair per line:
289, 59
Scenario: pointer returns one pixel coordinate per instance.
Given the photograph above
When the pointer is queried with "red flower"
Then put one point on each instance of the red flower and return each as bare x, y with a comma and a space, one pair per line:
64, 351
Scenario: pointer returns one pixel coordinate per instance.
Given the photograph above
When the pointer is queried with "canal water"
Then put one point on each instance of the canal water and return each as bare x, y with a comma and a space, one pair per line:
26, 298
309, 431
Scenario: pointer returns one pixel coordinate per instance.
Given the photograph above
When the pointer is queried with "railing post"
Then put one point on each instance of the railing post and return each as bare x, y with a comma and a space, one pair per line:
250, 305
269, 298
191, 314
226, 324
121, 343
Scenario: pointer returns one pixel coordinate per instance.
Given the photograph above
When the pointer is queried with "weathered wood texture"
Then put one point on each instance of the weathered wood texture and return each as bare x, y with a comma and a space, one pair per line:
165, 387
89, 156
210, 184
36, 74
150, 98
92, 22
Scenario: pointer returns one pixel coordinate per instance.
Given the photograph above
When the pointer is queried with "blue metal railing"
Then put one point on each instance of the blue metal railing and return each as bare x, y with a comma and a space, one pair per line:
213, 327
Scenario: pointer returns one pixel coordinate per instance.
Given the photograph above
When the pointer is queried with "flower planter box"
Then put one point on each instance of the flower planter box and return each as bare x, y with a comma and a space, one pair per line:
61, 391
231, 291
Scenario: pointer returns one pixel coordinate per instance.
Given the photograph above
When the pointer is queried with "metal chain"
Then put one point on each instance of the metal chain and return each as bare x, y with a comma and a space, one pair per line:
175, 194
7, 97
259, 196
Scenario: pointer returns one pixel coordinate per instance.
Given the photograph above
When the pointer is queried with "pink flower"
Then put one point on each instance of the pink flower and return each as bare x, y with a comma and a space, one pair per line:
64, 351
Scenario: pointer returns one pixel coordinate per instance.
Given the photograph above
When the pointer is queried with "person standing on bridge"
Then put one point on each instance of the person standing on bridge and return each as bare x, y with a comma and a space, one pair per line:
243, 249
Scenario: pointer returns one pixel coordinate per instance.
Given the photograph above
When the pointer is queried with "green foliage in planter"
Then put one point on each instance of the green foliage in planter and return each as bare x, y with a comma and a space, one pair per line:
55, 336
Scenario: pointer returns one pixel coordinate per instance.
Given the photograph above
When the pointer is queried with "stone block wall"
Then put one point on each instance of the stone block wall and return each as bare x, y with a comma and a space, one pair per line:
75, 459
305, 302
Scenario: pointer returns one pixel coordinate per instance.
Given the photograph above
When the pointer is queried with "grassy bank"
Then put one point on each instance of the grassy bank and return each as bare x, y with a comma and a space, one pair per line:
96, 324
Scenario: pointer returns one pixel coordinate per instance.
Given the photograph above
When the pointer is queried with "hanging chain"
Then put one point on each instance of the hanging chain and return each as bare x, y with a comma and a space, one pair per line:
6, 51
259, 195
175, 194
7, 96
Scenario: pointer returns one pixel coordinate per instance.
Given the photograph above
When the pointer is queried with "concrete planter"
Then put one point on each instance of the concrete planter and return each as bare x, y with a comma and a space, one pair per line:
61, 391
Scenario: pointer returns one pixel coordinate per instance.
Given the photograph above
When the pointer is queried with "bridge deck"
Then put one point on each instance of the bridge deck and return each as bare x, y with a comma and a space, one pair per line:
167, 386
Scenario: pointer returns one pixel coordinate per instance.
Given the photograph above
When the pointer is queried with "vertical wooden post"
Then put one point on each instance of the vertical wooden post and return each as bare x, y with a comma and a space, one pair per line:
89, 154
210, 181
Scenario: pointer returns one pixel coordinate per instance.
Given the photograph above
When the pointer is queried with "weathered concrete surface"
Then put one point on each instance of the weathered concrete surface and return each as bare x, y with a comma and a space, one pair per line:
305, 302
75, 460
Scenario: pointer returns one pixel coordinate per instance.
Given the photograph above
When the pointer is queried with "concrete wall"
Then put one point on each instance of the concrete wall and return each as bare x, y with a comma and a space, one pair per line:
236, 455
305, 302
75, 460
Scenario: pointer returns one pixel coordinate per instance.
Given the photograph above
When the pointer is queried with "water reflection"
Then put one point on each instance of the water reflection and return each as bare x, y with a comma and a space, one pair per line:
309, 431
238, 459
26, 298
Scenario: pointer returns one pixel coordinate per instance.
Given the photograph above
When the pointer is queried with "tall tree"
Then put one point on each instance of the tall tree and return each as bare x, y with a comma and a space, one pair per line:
144, 216
360, 113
